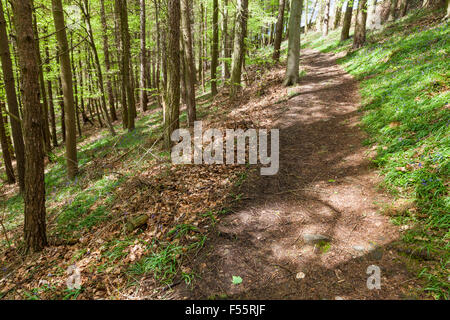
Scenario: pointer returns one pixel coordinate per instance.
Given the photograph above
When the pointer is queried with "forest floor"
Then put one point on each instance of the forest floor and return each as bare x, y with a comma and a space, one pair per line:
325, 187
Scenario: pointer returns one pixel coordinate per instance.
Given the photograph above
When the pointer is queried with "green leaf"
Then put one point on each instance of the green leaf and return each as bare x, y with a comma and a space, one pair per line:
237, 280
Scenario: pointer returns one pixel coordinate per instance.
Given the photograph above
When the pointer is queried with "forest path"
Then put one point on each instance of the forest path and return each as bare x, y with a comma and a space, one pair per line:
325, 186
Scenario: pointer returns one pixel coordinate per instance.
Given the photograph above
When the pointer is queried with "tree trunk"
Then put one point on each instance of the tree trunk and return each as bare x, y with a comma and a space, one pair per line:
403, 8
360, 26
306, 16
75, 85
34, 200
188, 62
293, 60
279, 31
5, 149
326, 18
392, 10
50, 98
215, 47
172, 93
46, 133
448, 10
120, 51
107, 62
225, 37
11, 99
67, 86
345, 32
98, 67
143, 67
239, 46
337, 14
125, 36
61, 106
158, 55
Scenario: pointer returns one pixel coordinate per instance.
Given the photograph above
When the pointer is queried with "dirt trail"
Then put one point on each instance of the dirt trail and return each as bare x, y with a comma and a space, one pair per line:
325, 186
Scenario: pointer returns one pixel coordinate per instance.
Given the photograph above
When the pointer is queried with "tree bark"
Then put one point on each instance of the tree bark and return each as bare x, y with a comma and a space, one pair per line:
5, 149
67, 87
360, 26
326, 18
125, 36
11, 99
47, 146
98, 67
143, 66
225, 38
50, 99
403, 8
392, 10
337, 14
34, 200
239, 46
215, 47
188, 62
345, 32
172, 93
448, 10
293, 60
279, 31
107, 62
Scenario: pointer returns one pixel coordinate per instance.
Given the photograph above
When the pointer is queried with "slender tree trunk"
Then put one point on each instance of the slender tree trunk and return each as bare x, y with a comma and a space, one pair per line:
125, 35
75, 86
5, 149
11, 99
172, 93
225, 49
392, 10
97, 66
312, 13
34, 200
215, 48
158, 55
189, 62
143, 71
61, 106
326, 18
50, 97
279, 31
47, 146
319, 21
293, 60
67, 86
119, 43
360, 26
107, 62
202, 46
52, 113
306, 15
345, 32
337, 14
403, 8
239, 46
446, 16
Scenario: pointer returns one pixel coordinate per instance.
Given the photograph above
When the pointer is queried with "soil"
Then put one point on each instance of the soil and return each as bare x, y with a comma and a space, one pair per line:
325, 186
